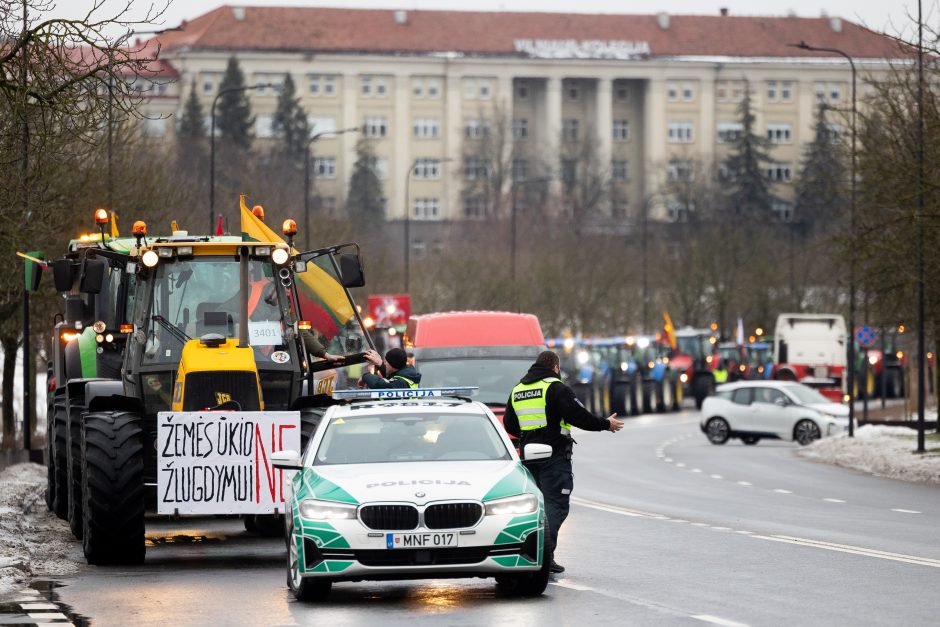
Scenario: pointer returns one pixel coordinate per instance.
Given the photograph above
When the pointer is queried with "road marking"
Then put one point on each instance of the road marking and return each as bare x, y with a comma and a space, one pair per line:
680, 464
38, 606
745, 483
721, 528
717, 477
570, 586
614, 509
906, 511
668, 460
717, 620
48, 616
834, 500
856, 550
696, 470
782, 491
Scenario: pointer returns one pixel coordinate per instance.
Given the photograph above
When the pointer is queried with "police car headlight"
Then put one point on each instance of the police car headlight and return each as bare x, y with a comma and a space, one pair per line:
324, 510
522, 504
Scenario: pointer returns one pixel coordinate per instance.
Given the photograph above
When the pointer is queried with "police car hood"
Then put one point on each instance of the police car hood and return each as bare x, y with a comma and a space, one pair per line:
433, 481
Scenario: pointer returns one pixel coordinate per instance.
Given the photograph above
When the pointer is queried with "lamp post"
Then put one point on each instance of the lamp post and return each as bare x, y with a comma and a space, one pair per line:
310, 142
407, 237
851, 343
212, 142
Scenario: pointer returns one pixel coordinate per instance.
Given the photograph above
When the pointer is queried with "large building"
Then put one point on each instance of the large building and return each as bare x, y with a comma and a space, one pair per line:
654, 96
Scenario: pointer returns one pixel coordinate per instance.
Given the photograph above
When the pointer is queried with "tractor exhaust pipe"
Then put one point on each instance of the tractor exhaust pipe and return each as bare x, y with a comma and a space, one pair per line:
244, 291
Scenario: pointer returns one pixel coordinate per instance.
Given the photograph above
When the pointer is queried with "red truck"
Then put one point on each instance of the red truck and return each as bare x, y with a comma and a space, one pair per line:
810, 348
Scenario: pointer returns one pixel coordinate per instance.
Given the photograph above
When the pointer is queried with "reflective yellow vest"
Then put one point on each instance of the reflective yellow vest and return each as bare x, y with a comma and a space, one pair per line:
410, 383
529, 402
721, 375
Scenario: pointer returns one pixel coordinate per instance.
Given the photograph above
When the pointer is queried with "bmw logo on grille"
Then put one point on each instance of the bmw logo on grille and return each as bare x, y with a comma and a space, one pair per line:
420, 495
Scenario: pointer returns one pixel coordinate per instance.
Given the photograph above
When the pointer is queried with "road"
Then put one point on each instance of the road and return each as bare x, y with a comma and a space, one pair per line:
665, 529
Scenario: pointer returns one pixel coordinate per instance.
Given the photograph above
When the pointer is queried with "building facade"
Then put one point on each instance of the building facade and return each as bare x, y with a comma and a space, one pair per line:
445, 95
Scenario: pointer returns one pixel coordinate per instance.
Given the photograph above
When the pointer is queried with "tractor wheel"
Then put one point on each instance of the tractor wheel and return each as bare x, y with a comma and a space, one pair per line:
113, 488
649, 396
59, 461
634, 396
76, 407
618, 397
677, 394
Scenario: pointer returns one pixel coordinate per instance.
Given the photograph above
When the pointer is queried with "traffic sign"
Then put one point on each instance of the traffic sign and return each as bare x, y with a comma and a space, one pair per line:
866, 336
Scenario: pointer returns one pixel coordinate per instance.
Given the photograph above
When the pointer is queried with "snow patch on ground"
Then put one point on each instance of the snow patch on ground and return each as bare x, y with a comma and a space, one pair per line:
883, 451
33, 542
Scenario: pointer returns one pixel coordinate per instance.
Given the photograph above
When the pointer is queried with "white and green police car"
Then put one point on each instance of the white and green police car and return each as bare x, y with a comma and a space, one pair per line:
412, 484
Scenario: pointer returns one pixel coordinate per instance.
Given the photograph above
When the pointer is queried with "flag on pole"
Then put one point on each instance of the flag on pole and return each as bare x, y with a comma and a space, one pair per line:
739, 334
322, 298
670, 330
114, 229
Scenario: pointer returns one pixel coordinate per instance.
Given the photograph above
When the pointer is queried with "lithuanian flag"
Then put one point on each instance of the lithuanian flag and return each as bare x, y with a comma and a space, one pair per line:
322, 298
670, 330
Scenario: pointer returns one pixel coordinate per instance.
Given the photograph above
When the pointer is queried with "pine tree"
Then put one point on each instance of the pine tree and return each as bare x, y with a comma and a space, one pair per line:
820, 189
749, 192
290, 124
233, 118
365, 201
191, 123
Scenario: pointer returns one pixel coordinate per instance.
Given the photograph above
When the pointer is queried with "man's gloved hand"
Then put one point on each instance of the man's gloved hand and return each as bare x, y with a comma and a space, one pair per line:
372, 356
614, 424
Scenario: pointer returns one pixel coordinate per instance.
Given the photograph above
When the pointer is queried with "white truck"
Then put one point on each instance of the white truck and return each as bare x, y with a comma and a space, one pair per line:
810, 348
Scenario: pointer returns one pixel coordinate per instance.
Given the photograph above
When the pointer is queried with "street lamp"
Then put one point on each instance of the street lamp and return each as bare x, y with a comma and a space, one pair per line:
407, 238
310, 141
212, 142
851, 343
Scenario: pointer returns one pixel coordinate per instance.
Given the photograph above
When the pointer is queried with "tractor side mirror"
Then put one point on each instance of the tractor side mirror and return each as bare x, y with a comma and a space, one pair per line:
350, 269
74, 309
62, 270
93, 275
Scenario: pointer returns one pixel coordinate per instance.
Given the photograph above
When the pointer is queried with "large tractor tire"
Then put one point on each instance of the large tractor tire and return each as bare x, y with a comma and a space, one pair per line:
620, 390
58, 439
113, 488
76, 407
648, 396
635, 384
677, 394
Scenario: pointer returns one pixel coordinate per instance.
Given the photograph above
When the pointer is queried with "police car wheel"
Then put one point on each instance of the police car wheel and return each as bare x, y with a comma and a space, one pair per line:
304, 588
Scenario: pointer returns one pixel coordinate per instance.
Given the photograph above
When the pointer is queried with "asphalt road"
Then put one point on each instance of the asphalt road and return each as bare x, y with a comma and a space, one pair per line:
665, 529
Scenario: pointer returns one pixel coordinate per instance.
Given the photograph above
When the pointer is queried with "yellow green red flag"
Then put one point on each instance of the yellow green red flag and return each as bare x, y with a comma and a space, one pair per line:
670, 330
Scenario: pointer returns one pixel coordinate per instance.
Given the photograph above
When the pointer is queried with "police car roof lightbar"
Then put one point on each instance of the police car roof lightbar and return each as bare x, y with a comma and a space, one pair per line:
405, 393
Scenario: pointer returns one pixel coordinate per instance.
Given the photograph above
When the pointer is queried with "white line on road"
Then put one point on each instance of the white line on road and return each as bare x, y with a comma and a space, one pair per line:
613, 509
834, 500
570, 586
782, 491
745, 483
856, 550
717, 620
696, 470
906, 511
717, 477
680, 465
668, 460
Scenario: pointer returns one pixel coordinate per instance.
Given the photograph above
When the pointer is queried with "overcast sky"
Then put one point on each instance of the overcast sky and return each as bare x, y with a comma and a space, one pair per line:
882, 15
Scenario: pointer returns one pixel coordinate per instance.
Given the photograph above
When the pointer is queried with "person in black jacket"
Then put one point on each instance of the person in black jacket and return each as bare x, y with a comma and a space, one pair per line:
542, 409
395, 365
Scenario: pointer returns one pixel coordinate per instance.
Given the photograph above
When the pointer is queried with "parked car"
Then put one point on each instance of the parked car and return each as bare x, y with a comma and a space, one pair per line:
784, 410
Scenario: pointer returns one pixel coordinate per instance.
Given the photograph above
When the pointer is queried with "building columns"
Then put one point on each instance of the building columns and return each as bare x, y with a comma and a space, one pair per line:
654, 139
603, 104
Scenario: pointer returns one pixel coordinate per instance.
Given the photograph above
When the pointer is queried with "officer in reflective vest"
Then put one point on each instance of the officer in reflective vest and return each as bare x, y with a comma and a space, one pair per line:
400, 374
542, 409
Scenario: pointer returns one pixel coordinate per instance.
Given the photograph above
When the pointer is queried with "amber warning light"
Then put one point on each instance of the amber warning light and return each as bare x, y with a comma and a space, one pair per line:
127, 328
289, 228
101, 216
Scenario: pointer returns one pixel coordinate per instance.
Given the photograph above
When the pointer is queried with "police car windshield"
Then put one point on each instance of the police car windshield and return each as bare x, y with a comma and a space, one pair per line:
494, 377
390, 438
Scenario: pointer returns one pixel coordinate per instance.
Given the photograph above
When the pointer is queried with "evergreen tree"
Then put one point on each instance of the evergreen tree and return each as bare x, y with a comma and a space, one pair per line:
233, 117
365, 201
191, 122
290, 124
820, 190
749, 193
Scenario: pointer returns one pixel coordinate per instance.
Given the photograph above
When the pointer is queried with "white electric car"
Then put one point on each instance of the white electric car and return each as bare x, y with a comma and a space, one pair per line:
404, 487
752, 410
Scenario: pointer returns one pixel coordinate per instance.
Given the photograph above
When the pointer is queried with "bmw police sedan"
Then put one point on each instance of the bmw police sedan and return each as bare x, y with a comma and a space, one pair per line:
412, 484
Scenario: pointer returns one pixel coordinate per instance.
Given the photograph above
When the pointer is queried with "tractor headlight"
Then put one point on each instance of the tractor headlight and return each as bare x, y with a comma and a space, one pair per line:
262, 251
165, 252
150, 258
522, 504
99, 326
280, 256
326, 510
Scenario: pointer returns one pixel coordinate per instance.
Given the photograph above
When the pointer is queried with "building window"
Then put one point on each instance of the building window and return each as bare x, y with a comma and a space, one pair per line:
786, 91
621, 91
688, 93
328, 204
425, 128
835, 92
375, 126
475, 128
263, 126
620, 170
417, 87
569, 129
477, 88
820, 93
433, 87
313, 84
381, 87
569, 172
426, 87
269, 84
778, 133
365, 86
209, 80
679, 170
520, 128
572, 91
520, 169
321, 125
522, 90
729, 132
679, 132
486, 89
474, 207
678, 210
427, 168
771, 91
672, 92
476, 168
784, 210
324, 167
729, 91
779, 172
426, 208
381, 167
621, 130
834, 131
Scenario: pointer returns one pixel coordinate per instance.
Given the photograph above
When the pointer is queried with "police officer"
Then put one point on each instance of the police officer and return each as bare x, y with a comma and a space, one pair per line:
400, 374
542, 409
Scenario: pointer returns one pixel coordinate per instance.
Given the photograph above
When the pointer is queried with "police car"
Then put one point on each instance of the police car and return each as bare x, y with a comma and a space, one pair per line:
412, 484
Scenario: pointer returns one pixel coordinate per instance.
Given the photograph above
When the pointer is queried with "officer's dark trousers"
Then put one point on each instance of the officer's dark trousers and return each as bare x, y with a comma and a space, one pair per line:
555, 480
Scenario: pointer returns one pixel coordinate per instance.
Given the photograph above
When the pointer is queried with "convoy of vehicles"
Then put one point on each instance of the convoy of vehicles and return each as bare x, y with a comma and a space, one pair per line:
755, 410
415, 488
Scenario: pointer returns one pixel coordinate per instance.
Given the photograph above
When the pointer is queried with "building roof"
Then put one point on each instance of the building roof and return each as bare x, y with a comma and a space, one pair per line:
318, 29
